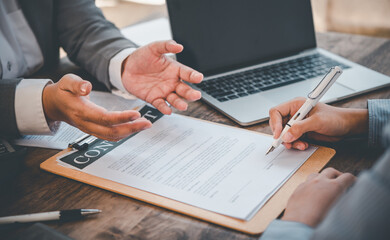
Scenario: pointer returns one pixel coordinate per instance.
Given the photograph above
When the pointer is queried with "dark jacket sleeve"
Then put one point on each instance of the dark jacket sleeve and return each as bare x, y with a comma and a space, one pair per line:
88, 38
8, 127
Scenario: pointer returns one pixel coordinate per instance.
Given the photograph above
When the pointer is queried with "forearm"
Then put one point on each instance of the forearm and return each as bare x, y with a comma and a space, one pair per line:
368, 122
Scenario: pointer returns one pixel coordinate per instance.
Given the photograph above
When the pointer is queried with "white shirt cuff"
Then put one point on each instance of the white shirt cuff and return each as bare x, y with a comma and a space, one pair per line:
280, 229
30, 116
115, 68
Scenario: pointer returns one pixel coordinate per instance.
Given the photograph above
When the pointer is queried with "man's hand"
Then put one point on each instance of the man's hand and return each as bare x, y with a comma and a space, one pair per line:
156, 78
311, 201
323, 123
68, 101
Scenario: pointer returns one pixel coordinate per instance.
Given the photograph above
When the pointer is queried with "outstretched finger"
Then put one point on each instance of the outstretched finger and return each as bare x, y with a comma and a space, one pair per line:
114, 117
116, 132
188, 74
177, 102
162, 106
162, 47
186, 92
99, 115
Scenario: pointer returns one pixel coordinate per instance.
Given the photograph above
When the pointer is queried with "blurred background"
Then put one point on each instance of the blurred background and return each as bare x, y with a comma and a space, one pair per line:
365, 17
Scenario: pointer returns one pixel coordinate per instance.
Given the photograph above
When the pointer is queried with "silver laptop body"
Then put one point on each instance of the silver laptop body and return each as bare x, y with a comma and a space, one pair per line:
246, 93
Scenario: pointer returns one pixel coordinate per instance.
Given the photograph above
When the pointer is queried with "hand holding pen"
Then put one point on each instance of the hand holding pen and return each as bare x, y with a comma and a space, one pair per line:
310, 102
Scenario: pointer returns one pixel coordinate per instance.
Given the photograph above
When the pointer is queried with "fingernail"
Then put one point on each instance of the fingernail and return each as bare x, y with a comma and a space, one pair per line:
288, 137
83, 87
301, 146
144, 128
134, 118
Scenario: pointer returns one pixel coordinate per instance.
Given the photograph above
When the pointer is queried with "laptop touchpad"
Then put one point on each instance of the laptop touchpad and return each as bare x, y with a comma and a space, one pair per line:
302, 89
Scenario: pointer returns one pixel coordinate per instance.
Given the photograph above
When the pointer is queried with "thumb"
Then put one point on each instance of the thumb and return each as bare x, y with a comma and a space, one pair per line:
163, 47
75, 84
299, 128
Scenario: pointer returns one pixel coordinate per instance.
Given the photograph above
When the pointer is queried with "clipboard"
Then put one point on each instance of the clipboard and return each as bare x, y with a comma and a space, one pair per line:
270, 211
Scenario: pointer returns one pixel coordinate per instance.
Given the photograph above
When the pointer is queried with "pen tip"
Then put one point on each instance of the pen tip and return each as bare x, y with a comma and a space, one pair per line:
270, 150
90, 211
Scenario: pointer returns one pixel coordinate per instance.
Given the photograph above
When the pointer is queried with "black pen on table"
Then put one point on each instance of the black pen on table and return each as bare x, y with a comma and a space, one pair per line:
63, 215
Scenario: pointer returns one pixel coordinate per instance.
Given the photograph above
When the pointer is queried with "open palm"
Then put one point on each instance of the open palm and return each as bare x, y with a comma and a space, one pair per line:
152, 76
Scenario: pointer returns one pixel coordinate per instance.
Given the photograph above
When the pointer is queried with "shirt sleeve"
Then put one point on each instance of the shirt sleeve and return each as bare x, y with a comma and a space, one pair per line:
29, 113
279, 229
115, 68
378, 117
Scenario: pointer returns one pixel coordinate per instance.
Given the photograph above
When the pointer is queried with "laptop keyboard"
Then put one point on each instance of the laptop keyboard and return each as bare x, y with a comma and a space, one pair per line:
5, 147
253, 81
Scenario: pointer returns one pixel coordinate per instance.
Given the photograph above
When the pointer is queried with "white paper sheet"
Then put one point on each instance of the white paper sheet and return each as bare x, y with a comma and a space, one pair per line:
218, 168
67, 133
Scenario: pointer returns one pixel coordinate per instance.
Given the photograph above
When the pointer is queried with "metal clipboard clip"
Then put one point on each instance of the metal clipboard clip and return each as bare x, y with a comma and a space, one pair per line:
82, 143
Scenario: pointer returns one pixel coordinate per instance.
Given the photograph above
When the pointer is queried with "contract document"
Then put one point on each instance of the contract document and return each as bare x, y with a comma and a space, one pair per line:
214, 167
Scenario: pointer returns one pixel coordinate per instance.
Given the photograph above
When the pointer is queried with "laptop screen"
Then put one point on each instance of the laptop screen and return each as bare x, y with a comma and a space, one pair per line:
223, 35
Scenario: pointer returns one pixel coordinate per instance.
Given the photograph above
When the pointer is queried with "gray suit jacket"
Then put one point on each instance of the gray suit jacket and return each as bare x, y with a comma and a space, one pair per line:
81, 29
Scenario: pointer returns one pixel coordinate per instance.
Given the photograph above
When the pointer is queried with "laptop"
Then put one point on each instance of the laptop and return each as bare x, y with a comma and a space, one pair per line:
256, 54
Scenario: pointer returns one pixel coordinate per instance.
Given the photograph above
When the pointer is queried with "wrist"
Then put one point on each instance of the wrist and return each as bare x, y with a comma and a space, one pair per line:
117, 68
357, 122
123, 67
48, 103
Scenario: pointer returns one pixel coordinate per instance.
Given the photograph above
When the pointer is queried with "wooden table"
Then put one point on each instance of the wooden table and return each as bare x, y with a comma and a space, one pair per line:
124, 218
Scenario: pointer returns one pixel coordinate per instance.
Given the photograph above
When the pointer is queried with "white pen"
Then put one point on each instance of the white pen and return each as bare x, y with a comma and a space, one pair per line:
312, 99
64, 215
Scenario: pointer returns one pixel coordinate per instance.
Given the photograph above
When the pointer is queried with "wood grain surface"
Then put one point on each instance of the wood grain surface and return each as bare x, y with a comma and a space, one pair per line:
34, 190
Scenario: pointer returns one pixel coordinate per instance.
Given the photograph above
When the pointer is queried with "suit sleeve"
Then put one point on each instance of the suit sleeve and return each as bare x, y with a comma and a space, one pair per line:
88, 38
8, 126
379, 117
22, 110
